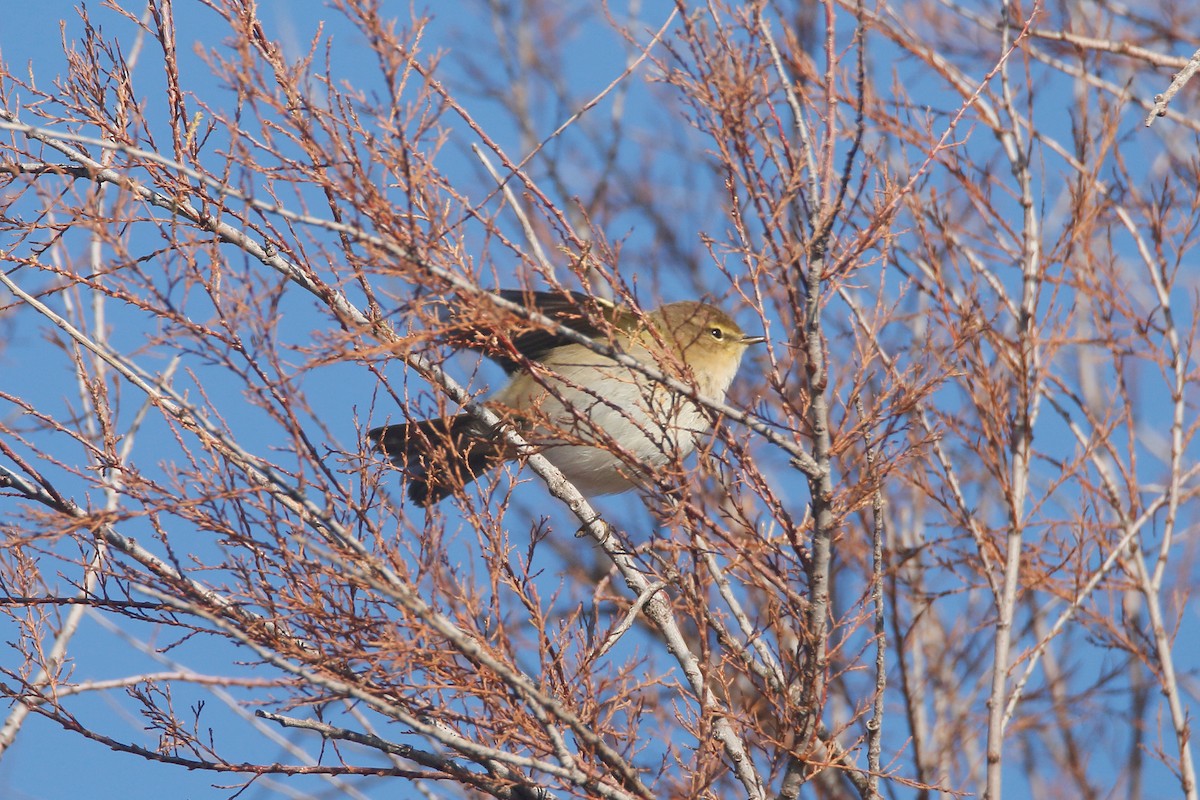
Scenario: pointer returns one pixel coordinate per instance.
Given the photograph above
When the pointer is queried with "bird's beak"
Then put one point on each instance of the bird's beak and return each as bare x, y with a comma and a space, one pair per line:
749, 340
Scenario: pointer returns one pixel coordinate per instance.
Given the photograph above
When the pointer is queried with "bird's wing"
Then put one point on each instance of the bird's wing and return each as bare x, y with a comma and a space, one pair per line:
581, 313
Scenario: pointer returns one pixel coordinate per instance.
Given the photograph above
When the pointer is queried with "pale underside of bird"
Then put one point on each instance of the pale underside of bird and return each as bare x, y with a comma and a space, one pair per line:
606, 426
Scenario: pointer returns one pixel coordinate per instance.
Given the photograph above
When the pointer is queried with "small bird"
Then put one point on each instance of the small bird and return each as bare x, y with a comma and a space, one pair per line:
604, 425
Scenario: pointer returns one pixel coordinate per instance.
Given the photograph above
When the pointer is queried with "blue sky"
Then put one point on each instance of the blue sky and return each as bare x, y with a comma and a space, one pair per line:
47, 763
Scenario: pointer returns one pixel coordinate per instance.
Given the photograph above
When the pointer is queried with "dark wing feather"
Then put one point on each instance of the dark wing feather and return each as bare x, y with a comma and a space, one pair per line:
572, 309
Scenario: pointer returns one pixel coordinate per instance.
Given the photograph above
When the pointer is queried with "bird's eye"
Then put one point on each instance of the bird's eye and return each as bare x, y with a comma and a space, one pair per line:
716, 333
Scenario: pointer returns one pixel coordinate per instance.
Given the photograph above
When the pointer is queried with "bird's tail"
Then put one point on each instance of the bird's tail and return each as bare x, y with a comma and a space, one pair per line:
438, 455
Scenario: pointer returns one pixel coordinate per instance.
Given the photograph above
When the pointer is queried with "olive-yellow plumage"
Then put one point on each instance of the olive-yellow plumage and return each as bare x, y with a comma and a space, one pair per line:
601, 423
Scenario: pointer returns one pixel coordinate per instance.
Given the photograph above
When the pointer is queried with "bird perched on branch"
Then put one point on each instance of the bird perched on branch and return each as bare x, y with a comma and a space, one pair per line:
603, 423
